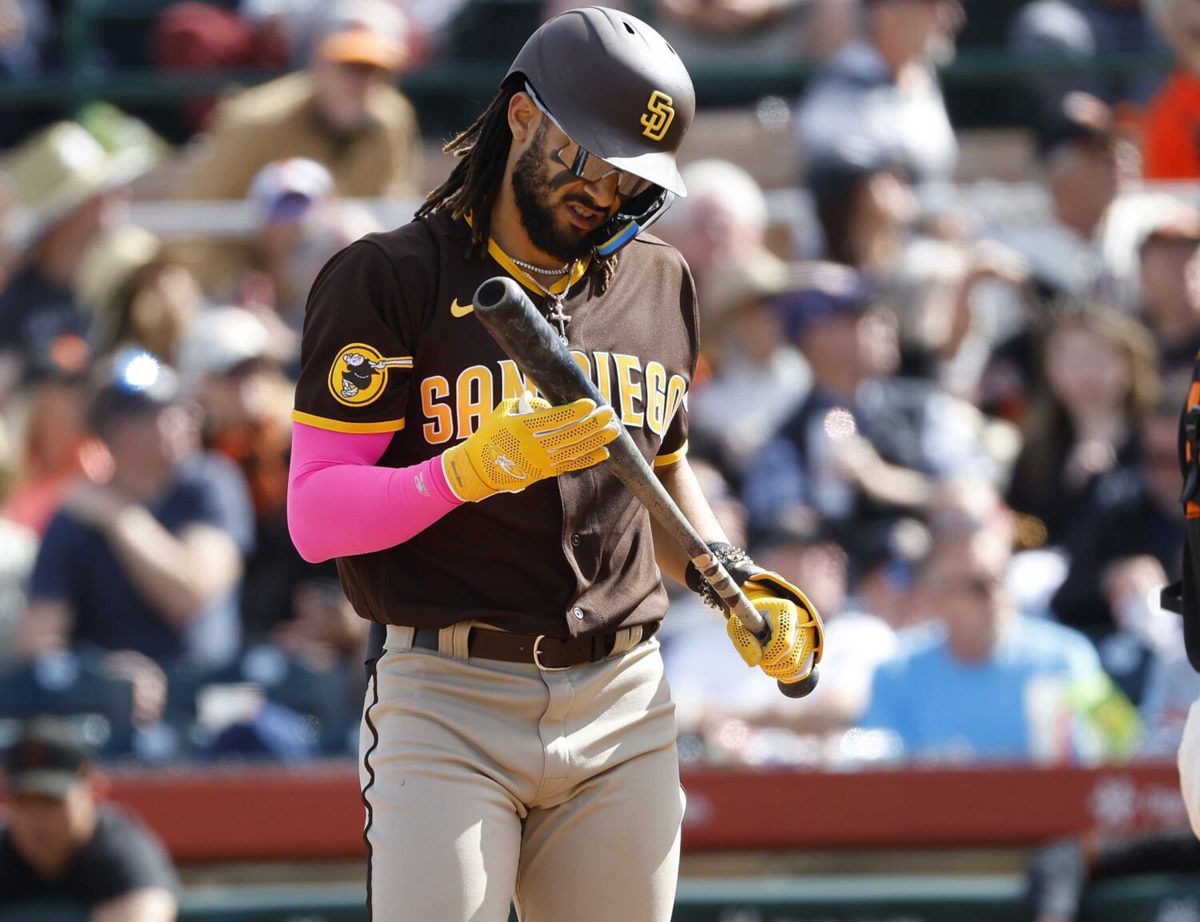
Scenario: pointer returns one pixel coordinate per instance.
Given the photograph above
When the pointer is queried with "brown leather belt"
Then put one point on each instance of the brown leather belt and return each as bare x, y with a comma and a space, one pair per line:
544, 652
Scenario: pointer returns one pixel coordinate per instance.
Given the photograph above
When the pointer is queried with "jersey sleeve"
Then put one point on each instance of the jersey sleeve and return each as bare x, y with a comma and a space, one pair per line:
356, 352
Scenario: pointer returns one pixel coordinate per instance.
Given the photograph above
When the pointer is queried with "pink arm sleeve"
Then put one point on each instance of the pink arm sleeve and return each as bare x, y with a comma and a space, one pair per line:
341, 504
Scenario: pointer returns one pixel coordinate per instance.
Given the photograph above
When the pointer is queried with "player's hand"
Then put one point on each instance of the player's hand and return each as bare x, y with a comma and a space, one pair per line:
526, 440
797, 635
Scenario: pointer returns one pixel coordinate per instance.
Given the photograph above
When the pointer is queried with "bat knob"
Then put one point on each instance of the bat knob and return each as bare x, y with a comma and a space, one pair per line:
493, 292
801, 688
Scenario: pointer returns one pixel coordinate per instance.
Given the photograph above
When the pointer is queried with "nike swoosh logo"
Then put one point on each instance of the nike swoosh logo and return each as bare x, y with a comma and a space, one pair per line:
509, 467
460, 310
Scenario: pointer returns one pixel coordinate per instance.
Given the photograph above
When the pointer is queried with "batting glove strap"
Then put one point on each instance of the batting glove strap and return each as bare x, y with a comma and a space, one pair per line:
733, 559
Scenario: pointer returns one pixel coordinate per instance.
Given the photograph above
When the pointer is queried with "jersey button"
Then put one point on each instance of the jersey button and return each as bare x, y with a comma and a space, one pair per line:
577, 612
576, 541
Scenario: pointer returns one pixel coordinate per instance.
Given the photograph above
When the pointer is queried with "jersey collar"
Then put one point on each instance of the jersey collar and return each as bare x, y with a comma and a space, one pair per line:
568, 281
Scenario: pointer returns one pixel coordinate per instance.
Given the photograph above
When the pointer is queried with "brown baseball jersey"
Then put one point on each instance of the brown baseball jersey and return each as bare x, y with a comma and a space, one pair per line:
391, 345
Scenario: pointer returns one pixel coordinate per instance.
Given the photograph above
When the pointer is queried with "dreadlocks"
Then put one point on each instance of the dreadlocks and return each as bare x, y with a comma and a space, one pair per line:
482, 150
472, 186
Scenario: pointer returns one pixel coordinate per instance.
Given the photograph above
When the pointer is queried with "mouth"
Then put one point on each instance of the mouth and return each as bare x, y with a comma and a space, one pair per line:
585, 218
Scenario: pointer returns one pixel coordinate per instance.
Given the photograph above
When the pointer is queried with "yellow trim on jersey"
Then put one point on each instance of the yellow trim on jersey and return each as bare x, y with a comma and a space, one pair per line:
337, 425
577, 270
579, 267
672, 458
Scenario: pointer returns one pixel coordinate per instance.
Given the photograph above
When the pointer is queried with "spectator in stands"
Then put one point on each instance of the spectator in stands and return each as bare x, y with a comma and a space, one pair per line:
1169, 275
1125, 545
1172, 119
883, 86
61, 844
1086, 251
342, 112
193, 36
722, 220
950, 299
232, 367
283, 194
18, 545
1171, 687
720, 700
734, 31
1081, 30
987, 683
55, 449
863, 202
1100, 381
323, 231
150, 560
758, 378
67, 190
1084, 163
859, 452
26, 30
135, 294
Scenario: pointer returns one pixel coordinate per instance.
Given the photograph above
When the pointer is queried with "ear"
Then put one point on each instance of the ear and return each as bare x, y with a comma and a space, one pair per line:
523, 118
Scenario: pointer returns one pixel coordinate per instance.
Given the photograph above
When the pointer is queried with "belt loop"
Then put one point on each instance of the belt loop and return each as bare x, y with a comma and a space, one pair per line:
627, 638
452, 640
399, 637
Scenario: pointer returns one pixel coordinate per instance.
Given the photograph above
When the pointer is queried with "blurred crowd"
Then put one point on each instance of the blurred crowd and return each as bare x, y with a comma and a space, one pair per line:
957, 434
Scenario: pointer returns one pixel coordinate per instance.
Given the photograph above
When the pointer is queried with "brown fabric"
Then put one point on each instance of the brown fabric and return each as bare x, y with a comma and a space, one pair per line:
543, 651
566, 557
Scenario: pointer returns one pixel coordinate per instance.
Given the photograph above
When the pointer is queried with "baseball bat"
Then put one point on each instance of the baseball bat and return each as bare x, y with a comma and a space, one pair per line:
510, 317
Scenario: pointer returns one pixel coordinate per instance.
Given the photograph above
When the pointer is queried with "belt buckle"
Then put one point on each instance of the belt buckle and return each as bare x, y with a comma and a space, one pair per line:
537, 657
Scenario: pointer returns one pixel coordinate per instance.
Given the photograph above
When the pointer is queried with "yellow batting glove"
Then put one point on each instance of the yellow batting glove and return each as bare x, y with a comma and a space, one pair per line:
797, 635
526, 440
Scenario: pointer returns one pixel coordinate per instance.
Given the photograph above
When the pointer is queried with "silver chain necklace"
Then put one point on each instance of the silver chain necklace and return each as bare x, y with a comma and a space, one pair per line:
529, 267
556, 312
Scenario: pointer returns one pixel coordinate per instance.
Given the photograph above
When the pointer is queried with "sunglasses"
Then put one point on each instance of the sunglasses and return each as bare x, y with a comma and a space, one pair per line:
588, 167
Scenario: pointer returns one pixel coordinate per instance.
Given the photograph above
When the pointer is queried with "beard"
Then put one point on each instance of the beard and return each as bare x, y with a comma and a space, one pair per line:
531, 190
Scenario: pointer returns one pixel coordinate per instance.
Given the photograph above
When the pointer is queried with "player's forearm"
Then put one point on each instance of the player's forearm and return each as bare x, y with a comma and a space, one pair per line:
177, 581
681, 483
340, 504
899, 486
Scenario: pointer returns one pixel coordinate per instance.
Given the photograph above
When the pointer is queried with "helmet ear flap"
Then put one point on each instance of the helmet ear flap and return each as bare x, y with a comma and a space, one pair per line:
635, 216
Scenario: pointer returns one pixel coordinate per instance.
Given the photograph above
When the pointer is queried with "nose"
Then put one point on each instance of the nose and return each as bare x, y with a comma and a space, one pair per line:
603, 192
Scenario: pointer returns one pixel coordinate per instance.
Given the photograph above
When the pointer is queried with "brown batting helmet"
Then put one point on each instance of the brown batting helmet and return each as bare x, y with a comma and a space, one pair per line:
620, 91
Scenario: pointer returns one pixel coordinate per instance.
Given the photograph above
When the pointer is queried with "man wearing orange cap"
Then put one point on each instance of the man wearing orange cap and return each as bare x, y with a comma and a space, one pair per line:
342, 112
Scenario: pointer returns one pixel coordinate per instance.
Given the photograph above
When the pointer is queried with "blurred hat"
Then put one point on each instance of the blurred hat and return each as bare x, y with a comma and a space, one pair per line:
1180, 224
221, 339
58, 170
838, 168
130, 383
757, 276
108, 266
47, 758
821, 291
1079, 118
371, 32
284, 189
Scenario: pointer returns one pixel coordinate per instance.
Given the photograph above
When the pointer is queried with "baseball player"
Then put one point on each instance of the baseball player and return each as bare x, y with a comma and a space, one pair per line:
518, 736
